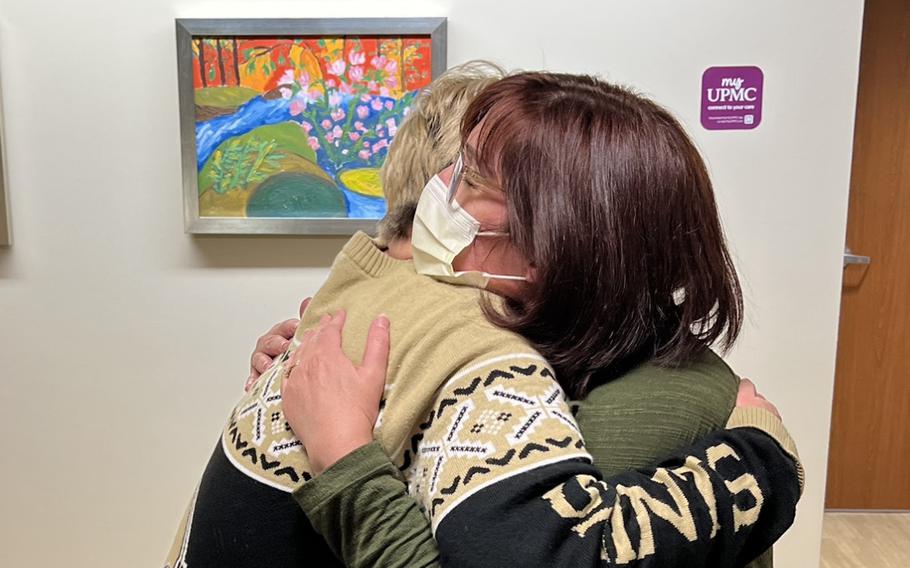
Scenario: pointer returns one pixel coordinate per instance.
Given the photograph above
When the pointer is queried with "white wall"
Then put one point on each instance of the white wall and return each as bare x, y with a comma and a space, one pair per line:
124, 341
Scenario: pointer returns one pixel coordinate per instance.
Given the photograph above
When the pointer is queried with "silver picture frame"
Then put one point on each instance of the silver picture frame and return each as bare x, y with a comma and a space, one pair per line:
6, 233
190, 29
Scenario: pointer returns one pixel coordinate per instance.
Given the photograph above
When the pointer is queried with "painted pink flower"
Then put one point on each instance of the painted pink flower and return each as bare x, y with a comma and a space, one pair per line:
376, 104
346, 89
326, 124
391, 66
330, 82
305, 98
364, 98
393, 128
355, 73
353, 136
338, 114
287, 77
286, 92
363, 111
384, 91
313, 142
334, 98
364, 154
359, 126
337, 132
297, 106
378, 61
371, 85
329, 137
314, 94
306, 126
389, 105
336, 67
357, 57
366, 144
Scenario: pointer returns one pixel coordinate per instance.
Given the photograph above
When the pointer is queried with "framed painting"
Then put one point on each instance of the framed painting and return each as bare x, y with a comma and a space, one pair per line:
285, 123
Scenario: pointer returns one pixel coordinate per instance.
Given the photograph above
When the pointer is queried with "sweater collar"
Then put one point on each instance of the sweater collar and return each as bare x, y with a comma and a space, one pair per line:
365, 252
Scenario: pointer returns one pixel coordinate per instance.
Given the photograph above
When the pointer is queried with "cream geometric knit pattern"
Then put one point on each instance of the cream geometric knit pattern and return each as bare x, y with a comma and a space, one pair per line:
499, 418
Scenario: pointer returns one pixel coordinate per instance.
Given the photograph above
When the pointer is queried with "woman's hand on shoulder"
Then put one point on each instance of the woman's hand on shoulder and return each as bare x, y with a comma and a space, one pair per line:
330, 403
274, 342
749, 396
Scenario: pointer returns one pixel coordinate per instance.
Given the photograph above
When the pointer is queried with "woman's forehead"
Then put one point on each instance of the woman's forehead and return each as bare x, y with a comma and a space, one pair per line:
473, 142
481, 166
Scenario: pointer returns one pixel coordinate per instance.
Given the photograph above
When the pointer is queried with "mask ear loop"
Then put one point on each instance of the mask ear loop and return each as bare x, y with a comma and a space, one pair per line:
504, 277
490, 251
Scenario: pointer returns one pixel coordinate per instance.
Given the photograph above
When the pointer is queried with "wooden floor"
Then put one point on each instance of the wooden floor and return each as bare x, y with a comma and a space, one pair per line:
861, 540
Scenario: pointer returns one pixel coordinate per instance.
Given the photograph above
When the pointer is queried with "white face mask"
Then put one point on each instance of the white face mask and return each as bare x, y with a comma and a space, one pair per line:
441, 231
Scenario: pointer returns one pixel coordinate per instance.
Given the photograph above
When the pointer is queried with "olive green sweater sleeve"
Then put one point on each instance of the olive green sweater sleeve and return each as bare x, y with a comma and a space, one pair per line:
362, 508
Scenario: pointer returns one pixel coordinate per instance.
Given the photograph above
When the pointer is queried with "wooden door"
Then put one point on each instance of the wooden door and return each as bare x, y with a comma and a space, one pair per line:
869, 461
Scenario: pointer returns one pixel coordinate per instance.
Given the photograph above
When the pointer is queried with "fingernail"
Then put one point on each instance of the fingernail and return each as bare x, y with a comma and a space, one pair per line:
383, 321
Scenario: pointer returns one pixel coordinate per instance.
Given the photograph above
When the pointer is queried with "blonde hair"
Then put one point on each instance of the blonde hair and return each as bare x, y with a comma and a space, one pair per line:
428, 140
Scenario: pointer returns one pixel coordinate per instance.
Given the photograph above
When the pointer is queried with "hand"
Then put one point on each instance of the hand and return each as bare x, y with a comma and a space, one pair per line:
274, 342
748, 396
330, 403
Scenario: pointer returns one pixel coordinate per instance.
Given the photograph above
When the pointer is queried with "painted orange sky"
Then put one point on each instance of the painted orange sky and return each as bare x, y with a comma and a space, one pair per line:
263, 61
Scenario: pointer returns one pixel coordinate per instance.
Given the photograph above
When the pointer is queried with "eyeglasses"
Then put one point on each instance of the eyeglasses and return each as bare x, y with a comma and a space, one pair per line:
457, 174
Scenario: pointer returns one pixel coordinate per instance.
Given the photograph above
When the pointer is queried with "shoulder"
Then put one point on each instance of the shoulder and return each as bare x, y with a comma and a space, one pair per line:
705, 374
652, 411
702, 390
451, 318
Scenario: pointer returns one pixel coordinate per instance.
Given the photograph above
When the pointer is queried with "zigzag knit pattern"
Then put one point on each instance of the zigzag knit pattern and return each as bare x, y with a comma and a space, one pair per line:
505, 419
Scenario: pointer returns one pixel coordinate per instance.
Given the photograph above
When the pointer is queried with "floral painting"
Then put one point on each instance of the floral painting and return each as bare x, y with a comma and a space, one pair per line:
298, 127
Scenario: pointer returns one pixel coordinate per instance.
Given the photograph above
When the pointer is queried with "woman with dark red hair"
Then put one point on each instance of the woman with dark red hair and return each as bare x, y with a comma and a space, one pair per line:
588, 213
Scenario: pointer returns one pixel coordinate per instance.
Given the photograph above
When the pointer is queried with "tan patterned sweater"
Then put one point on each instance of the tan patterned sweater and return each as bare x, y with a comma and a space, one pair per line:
439, 337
